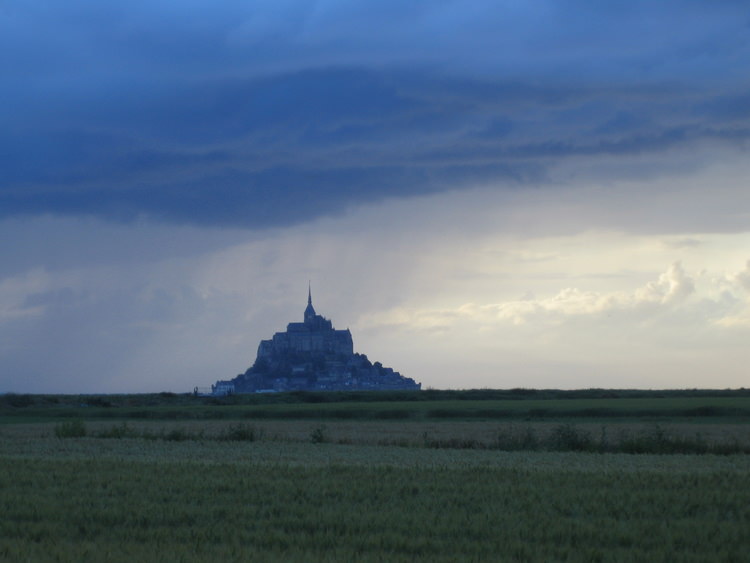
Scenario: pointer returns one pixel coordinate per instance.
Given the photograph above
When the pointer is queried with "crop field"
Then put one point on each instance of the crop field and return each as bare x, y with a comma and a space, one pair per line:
423, 488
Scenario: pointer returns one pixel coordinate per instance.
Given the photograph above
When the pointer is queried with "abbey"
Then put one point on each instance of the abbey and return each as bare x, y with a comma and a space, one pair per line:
312, 355
314, 335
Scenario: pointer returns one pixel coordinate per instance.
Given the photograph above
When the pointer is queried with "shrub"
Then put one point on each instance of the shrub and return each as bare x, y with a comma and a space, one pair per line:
70, 429
567, 437
452, 443
448, 413
657, 441
238, 433
493, 413
318, 435
512, 440
119, 431
392, 414
179, 435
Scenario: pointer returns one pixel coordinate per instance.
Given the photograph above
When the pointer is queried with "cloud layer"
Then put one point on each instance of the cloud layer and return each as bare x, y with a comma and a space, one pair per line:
277, 113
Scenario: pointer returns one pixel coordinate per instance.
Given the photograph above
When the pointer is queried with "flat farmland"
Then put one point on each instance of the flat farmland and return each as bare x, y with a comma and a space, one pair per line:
421, 488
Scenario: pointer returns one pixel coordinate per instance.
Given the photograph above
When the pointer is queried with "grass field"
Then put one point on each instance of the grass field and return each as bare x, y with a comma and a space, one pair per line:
428, 405
325, 489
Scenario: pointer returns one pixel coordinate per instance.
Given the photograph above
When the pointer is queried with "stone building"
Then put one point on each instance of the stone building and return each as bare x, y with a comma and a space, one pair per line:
312, 355
315, 335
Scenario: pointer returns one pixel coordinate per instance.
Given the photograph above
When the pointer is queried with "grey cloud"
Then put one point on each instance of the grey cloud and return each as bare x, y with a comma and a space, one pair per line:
234, 116
685, 243
743, 277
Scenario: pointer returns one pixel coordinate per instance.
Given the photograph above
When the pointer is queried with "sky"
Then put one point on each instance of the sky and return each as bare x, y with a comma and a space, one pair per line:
538, 194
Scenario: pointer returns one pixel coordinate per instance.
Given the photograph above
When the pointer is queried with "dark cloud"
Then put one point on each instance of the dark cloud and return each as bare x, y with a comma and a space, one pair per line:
725, 108
277, 113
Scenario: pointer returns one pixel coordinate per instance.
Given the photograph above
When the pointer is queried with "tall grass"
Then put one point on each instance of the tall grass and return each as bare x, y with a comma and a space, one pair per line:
235, 432
570, 438
567, 437
70, 429
93, 509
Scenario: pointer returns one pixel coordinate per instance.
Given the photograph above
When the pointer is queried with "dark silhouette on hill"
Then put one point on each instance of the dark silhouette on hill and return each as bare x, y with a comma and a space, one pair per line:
313, 356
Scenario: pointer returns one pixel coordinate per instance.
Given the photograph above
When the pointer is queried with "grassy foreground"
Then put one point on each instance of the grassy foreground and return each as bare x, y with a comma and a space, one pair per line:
421, 489
93, 499
107, 510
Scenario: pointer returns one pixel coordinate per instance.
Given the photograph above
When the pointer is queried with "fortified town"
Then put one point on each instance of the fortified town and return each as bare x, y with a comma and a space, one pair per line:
313, 356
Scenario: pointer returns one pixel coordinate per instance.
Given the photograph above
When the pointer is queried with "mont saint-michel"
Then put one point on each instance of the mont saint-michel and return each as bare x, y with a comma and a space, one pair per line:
313, 356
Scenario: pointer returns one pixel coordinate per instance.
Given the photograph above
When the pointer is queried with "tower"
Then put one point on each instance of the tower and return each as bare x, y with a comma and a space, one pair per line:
309, 311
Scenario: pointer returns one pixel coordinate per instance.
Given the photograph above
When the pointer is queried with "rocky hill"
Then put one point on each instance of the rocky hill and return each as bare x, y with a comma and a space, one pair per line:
312, 355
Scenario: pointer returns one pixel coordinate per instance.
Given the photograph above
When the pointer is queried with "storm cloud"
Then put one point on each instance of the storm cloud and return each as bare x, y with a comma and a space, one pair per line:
276, 113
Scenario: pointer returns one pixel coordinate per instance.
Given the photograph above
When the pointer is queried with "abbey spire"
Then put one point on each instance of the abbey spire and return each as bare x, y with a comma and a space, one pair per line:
309, 311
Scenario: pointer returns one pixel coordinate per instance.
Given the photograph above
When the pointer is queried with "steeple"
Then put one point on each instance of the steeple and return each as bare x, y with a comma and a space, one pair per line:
309, 311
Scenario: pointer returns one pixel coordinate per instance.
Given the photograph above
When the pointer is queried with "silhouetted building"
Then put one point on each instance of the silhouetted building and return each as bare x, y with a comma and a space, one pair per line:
312, 355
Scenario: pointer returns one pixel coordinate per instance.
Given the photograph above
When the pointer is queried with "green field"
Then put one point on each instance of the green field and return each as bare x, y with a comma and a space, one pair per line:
436, 485
425, 405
